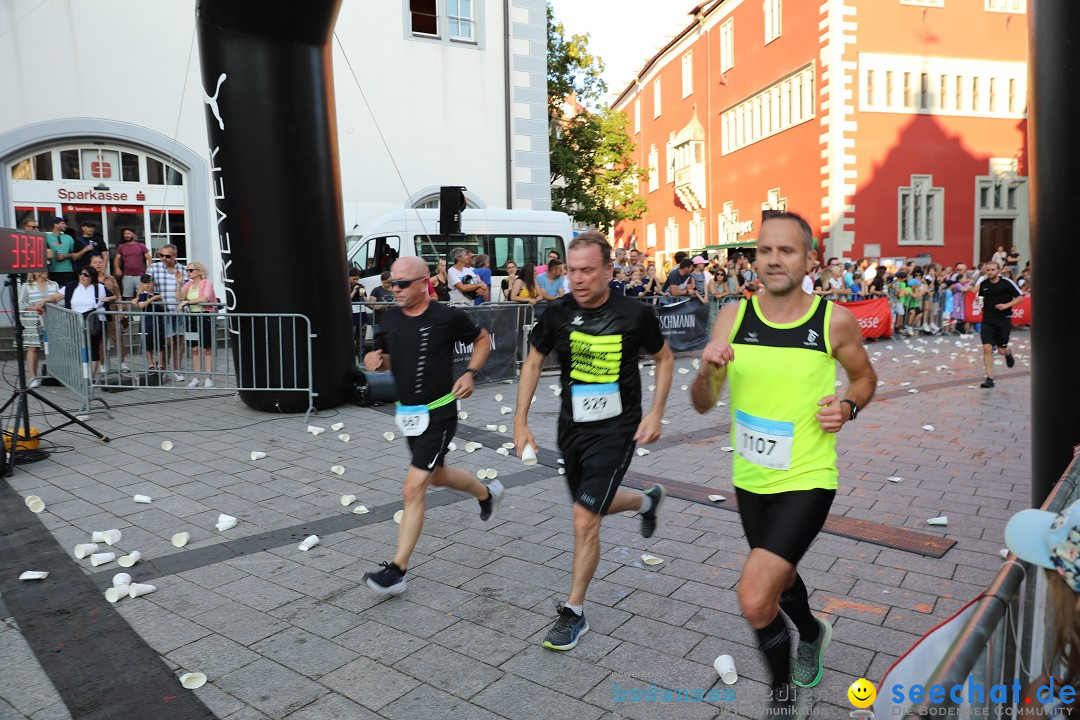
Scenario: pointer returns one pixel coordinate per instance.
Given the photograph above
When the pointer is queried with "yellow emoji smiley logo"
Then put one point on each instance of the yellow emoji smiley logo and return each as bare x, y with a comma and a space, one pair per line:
862, 693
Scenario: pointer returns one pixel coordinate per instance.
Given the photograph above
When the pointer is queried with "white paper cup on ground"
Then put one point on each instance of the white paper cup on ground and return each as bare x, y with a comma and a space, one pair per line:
130, 559
506, 410
111, 537
482, 473
451, 447
121, 579
36, 506
463, 415
181, 539
340, 469
193, 681
642, 452
388, 436
725, 668
498, 397
398, 515
337, 426
225, 522
166, 445
102, 558
528, 455
347, 500
360, 510
31, 498
344, 437
138, 589
943, 520
143, 499
98, 536
34, 575
116, 592
502, 428
503, 451
256, 455
83, 550
472, 446
315, 430
309, 542
491, 428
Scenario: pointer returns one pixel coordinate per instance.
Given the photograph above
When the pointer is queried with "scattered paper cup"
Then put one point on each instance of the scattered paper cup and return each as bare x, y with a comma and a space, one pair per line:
491, 428
121, 579
642, 452
562, 471
256, 455
315, 430
337, 426
684, 371
696, 363
652, 388
505, 410
463, 415
913, 391
116, 592
34, 575
561, 461
398, 515
943, 520
652, 373
309, 542
683, 387
138, 589
472, 446
492, 473
102, 558
557, 392
508, 445
498, 397
36, 506
143, 499
111, 537
192, 681
83, 550
482, 473
225, 522
129, 559
338, 469
166, 445
343, 437
725, 668
895, 479
31, 498
651, 559
717, 498
360, 510
98, 536
180, 539
502, 428
347, 500
928, 428
450, 447
388, 436
503, 451
528, 455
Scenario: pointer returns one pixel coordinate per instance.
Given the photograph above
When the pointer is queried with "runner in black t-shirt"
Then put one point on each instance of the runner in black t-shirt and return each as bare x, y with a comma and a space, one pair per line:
597, 336
999, 295
416, 338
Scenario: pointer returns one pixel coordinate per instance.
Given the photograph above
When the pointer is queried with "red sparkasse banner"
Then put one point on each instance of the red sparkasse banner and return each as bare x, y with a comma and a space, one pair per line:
874, 316
1021, 314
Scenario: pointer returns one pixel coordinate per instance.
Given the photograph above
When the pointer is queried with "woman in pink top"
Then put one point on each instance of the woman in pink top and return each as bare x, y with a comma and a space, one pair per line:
196, 291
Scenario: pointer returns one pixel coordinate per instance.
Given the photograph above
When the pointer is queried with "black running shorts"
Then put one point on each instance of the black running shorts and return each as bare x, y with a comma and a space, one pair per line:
429, 449
784, 523
595, 466
996, 332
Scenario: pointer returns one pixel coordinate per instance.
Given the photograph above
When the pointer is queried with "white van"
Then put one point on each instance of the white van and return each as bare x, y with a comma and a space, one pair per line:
521, 236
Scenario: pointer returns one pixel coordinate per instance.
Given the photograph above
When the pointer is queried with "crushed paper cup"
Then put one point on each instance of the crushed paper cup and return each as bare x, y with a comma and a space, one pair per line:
315, 430
463, 415
31, 498
696, 363
562, 471
256, 455
506, 410
481, 473
557, 392
642, 452
652, 373
82, 418
143, 499
651, 559
561, 461
528, 455
34, 575
652, 388
388, 436
727, 448
502, 428
398, 515
83, 550
309, 542
928, 428
130, 559
721, 403
166, 445
508, 445
498, 397
665, 422
225, 522
943, 520
102, 558
1003, 552
121, 579
117, 592
192, 681
472, 446
684, 371
181, 539
450, 447
337, 426
717, 498
895, 479
344, 437
36, 506
360, 510
881, 383
339, 469
491, 427
503, 451
725, 668
904, 384
913, 390
138, 589
348, 500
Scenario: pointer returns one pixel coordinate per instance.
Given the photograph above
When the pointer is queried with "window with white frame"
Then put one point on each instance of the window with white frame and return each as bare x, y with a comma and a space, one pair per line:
671, 235
669, 157
921, 212
424, 15
459, 15
942, 86
637, 116
656, 98
727, 45
650, 235
782, 105
772, 20
447, 21
697, 231
688, 73
654, 172
1006, 6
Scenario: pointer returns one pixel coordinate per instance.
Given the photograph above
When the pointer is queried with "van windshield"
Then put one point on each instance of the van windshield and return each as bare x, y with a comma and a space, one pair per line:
501, 248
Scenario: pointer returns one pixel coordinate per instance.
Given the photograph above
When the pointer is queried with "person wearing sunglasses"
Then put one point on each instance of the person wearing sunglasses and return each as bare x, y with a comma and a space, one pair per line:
416, 339
86, 296
169, 275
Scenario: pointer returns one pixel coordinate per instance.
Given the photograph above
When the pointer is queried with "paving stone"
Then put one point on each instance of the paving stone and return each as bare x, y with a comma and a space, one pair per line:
271, 688
449, 670
661, 636
239, 623
333, 707
409, 617
380, 642
369, 683
304, 652
428, 702
317, 616
518, 699
560, 671
213, 655
478, 642
258, 593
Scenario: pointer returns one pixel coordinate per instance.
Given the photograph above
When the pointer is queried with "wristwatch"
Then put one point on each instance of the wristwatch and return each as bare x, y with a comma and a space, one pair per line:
854, 408
474, 371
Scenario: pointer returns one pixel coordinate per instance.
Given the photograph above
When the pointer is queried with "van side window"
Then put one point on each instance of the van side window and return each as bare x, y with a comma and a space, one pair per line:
500, 248
377, 254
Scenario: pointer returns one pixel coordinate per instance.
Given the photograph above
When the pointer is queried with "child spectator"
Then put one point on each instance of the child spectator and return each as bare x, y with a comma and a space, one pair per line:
149, 301
618, 281
857, 287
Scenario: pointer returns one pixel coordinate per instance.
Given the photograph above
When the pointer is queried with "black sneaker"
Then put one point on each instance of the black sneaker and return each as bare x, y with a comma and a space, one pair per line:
1009, 359
987, 383
388, 581
648, 519
567, 630
489, 506
807, 670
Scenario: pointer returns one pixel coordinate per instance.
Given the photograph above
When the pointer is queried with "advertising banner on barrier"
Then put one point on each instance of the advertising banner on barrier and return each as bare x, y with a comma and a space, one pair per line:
973, 310
503, 324
874, 316
685, 324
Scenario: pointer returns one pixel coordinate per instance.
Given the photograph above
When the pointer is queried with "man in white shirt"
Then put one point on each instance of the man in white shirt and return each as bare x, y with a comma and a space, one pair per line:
461, 279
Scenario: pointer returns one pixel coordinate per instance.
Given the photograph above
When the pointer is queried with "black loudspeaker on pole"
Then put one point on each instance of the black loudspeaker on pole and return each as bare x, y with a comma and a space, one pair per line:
276, 184
1054, 145
451, 205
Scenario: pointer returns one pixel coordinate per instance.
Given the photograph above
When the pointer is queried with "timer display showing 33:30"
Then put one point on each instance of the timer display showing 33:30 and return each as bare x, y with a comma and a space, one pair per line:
21, 251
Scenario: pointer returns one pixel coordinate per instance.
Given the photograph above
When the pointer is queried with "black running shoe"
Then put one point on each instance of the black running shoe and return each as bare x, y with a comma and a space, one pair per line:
648, 519
388, 581
987, 383
567, 630
489, 506
1009, 359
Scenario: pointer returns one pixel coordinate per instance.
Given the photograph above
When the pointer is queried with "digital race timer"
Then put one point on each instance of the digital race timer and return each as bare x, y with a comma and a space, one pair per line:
22, 251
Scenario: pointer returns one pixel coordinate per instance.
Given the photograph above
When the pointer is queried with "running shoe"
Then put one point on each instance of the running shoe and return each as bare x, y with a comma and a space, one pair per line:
36, 382
124, 366
208, 383
489, 506
807, 670
178, 377
388, 581
194, 383
987, 383
648, 519
1009, 359
567, 630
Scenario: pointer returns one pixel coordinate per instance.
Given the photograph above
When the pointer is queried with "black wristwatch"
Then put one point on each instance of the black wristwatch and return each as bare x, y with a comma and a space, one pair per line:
854, 408
474, 371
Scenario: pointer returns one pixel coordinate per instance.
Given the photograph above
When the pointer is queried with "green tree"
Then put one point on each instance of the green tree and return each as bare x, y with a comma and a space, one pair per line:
593, 175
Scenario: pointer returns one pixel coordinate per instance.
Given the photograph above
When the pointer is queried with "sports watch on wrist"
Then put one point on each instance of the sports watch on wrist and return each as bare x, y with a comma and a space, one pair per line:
854, 408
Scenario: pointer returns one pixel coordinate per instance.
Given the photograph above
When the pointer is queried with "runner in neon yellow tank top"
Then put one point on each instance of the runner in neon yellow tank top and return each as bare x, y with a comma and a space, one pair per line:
778, 351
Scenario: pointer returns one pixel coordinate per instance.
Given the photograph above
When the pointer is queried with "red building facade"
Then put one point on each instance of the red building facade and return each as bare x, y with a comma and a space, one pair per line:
896, 127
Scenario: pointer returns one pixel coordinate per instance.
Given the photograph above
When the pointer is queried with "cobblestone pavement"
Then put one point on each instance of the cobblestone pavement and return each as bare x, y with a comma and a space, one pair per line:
288, 634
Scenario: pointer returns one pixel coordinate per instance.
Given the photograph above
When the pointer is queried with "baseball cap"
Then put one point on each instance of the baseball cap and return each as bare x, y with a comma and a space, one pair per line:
1048, 540
57, 219
699, 260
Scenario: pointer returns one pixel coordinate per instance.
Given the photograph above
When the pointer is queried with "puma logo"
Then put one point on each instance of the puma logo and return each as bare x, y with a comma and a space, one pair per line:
212, 101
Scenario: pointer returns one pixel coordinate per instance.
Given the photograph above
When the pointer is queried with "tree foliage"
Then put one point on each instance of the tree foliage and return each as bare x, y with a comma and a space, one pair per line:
593, 174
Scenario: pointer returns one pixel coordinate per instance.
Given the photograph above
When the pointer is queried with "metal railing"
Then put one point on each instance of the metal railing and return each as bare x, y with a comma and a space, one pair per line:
66, 347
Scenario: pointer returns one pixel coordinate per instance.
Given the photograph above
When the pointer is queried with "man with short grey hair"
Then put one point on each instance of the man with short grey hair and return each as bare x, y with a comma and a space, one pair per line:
169, 276
464, 285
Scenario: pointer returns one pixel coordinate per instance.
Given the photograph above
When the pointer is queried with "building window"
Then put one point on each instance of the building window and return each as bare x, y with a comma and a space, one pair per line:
159, 173
687, 73
654, 172
425, 17
669, 177
907, 89
780, 106
993, 95
656, 98
939, 85
921, 212
888, 87
35, 167
650, 235
459, 13
772, 20
727, 45
1006, 6
943, 92
959, 93
168, 227
637, 116
1012, 95
924, 91
671, 235
975, 94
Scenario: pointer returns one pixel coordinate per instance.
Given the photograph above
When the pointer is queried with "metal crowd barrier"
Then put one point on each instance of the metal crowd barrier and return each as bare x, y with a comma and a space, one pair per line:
65, 345
1008, 635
